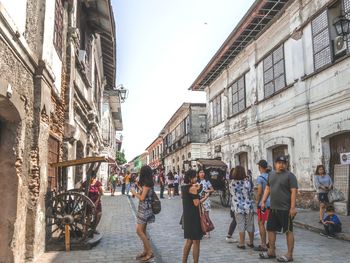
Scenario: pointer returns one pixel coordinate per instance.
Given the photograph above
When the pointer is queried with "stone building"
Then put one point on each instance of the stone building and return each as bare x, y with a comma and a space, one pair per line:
185, 137
90, 94
279, 84
50, 109
32, 57
155, 153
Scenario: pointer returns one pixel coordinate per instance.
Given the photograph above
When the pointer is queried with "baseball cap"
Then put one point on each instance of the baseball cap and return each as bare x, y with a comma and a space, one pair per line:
262, 163
281, 159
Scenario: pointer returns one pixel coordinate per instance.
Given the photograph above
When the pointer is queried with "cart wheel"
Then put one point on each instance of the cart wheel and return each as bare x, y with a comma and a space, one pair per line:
73, 209
225, 196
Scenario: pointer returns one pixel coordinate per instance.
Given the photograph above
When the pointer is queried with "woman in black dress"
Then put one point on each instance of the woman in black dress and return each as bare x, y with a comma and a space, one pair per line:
191, 220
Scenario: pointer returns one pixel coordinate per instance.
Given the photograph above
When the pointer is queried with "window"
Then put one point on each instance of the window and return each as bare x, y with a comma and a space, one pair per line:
321, 41
202, 123
274, 72
347, 14
58, 28
238, 96
327, 45
187, 125
216, 105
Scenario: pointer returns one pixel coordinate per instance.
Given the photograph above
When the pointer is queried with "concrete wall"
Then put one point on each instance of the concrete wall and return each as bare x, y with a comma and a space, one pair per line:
302, 116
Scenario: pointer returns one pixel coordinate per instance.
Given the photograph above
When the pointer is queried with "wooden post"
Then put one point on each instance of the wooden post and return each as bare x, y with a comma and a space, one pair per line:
67, 237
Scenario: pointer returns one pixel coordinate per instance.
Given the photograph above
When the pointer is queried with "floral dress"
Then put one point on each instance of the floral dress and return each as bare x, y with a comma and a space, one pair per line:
205, 186
144, 212
242, 202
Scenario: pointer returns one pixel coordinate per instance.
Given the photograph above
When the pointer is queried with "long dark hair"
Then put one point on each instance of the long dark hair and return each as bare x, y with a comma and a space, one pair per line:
317, 169
239, 173
190, 174
146, 176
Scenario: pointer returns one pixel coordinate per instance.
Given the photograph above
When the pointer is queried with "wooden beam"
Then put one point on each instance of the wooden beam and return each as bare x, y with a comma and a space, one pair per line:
85, 160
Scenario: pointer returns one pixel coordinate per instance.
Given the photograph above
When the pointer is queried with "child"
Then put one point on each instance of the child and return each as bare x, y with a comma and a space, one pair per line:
331, 222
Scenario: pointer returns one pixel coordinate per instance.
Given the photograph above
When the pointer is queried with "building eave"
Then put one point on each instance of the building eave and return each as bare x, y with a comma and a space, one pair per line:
258, 18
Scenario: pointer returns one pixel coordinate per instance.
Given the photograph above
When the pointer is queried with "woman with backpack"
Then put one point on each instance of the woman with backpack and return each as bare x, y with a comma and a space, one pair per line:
145, 214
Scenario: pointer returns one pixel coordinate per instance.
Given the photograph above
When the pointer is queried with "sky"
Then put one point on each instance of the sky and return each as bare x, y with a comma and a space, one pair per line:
162, 47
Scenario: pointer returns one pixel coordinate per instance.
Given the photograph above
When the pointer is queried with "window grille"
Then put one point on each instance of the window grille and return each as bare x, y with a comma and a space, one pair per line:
274, 72
216, 104
321, 41
238, 96
58, 27
346, 4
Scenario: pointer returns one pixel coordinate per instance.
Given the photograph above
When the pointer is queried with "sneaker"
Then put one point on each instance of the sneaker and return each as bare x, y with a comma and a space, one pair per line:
330, 237
169, 197
231, 240
323, 234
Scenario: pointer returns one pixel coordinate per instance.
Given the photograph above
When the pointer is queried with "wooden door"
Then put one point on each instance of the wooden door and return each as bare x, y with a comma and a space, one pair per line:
243, 160
53, 157
338, 144
281, 150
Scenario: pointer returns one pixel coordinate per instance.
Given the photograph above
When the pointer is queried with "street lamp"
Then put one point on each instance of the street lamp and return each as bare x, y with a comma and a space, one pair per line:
342, 26
122, 92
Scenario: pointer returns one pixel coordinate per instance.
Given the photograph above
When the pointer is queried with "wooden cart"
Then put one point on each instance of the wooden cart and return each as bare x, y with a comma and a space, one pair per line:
215, 172
70, 214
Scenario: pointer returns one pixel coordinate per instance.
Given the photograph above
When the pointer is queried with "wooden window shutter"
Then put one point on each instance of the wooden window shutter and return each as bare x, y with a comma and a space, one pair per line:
321, 41
346, 4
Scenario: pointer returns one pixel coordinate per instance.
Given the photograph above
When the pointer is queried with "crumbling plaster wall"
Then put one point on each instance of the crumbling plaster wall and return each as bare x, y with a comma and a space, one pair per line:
302, 116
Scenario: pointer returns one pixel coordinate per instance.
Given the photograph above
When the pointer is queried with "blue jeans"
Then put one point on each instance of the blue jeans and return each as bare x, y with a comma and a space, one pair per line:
128, 186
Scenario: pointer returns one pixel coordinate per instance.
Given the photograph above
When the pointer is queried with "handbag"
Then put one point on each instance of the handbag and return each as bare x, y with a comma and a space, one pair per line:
335, 195
206, 224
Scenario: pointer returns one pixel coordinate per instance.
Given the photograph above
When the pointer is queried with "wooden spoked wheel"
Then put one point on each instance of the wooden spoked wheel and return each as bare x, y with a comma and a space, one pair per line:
73, 209
225, 196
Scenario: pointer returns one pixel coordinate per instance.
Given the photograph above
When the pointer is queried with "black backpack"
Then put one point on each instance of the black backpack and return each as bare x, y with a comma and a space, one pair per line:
156, 204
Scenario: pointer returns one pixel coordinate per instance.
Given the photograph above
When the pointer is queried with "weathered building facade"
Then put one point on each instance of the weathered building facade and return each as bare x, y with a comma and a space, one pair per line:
155, 153
31, 115
185, 137
93, 113
40, 75
279, 85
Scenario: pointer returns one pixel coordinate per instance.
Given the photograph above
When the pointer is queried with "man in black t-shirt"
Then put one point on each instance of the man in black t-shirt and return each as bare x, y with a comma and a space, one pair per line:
282, 186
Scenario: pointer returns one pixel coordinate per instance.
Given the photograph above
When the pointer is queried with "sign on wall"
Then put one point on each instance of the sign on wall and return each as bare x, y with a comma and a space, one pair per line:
217, 148
345, 158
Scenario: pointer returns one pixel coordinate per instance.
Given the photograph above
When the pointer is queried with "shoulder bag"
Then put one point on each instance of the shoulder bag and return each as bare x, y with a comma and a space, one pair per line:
206, 224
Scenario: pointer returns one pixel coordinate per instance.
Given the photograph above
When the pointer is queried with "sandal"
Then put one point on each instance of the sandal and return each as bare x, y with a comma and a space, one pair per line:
250, 245
141, 255
265, 255
241, 246
147, 258
284, 259
260, 248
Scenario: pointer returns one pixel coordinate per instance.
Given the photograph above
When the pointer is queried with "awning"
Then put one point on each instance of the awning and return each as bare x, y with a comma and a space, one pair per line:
212, 163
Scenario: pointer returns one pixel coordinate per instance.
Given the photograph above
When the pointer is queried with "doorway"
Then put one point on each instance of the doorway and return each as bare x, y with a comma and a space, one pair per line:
79, 169
9, 187
281, 150
243, 160
338, 144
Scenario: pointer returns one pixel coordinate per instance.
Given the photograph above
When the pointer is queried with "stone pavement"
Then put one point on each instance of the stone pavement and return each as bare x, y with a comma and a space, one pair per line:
167, 236
121, 244
308, 219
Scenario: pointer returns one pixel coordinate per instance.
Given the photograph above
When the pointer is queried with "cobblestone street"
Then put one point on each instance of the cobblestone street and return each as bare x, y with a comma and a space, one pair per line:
120, 243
